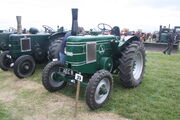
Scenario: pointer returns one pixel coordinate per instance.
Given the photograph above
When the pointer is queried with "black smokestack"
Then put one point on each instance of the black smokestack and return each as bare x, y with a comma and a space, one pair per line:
160, 28
74, 29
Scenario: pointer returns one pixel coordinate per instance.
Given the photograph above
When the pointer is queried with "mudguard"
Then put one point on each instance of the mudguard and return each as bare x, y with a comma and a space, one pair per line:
56, 35
124, 40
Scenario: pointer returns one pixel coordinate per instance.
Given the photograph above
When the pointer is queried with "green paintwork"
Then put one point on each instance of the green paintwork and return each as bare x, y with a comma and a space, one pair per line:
106, 47
163, 37
37, 40
4, 41
106, 63
77, 46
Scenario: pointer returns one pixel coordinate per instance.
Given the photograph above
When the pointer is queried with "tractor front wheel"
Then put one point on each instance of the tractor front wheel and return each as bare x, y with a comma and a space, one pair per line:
24, 66
99, 89
50, 80
132, 64
5, 61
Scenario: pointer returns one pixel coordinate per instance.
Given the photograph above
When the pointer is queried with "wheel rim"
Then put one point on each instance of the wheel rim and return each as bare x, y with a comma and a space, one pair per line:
138, 66
26, 67
54, 81
102, 91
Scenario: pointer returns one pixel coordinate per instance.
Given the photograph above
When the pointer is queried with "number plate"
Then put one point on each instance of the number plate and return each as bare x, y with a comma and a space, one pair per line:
78, 77
68, 71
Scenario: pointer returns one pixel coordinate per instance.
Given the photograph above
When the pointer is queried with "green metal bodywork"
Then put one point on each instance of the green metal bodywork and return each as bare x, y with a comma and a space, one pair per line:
88, 54
4, 41
36, 41
163, 38
163, 35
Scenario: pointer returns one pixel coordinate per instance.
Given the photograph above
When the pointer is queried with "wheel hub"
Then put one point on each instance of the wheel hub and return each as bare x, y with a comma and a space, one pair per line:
102, 91
138, 66
56, 79
26, 67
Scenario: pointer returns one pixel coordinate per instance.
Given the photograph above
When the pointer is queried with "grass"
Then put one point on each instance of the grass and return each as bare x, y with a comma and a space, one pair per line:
157, 98
4, 114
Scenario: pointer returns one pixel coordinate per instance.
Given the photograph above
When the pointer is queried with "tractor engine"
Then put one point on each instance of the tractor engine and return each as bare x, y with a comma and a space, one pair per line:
88, 53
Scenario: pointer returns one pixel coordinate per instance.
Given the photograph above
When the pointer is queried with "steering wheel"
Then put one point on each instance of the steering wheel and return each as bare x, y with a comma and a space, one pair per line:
47, 28
104, 27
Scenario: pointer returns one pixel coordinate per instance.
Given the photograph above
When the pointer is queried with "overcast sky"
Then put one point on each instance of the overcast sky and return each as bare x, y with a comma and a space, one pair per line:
133, 14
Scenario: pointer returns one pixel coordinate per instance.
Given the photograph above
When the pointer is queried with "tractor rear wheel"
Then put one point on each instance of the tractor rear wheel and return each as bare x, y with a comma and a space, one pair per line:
132, 64
5, 60
99, 89
49, 79
54, 49
24, 66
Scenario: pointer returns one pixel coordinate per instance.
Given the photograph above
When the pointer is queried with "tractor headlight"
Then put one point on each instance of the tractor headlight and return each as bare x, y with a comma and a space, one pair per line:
68, 53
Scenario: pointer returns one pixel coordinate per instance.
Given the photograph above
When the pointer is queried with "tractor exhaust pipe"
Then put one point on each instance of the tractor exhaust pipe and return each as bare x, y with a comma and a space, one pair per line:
19, 26
160, 30
74, 29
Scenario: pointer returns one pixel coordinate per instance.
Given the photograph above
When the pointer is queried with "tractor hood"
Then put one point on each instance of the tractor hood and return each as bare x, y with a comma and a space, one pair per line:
89, 38
84, 52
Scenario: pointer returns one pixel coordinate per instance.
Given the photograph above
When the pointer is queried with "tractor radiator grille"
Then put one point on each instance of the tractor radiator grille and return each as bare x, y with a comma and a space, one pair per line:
90, 52
25, 44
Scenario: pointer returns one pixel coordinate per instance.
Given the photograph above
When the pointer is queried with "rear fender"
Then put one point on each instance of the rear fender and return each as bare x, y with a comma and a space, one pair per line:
127, 39
56, 35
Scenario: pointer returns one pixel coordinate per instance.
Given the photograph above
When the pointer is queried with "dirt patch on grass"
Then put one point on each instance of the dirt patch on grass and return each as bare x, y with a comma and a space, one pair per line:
6, 96
29, 100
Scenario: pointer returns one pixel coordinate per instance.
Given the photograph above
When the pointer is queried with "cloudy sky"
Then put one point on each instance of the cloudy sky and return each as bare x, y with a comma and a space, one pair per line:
133, 14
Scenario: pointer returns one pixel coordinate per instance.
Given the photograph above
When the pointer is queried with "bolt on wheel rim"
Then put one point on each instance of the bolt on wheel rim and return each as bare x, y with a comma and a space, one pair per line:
138, 66
100, 96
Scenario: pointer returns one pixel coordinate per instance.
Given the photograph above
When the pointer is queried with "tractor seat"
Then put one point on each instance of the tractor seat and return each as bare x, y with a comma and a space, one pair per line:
115, 31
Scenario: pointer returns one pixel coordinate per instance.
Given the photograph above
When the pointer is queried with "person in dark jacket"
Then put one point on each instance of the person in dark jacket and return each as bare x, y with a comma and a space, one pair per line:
62, 55
63, 45
171, 41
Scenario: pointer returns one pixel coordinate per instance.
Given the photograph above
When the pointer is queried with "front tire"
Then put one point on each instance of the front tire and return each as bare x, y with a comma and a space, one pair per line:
132, 64
5, 61
99, 89
24, 66
49, 82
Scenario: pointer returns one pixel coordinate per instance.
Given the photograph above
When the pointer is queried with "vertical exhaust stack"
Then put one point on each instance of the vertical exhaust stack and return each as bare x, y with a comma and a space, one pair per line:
19, 26
74, 29
169, 26
160, 28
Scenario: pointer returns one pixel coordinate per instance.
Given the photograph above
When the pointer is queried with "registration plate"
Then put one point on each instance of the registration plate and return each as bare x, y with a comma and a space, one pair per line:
67, 71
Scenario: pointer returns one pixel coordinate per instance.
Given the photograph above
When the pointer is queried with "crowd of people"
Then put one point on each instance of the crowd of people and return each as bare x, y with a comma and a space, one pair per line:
143, 36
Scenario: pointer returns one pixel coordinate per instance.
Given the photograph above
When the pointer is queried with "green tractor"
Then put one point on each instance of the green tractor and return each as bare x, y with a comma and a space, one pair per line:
97, 57
25, 50
162, 42
4, 38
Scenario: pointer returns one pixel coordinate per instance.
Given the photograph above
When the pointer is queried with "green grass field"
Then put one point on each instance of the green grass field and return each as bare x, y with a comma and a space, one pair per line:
157, 98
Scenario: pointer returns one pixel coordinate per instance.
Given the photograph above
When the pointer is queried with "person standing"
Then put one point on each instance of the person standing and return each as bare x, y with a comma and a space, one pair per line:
62, 54
170, 40
63, 45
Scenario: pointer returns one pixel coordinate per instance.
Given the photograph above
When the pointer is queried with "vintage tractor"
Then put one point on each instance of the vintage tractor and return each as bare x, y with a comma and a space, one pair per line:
4, 38
4, 41
97, 57
25, 50
162, 42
